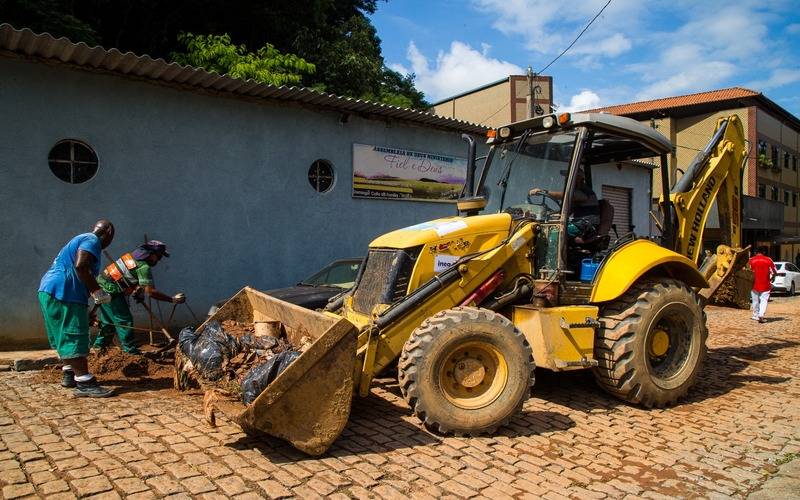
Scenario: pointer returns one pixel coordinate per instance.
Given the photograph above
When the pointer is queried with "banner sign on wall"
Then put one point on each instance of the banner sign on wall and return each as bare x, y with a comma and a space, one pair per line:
400, 174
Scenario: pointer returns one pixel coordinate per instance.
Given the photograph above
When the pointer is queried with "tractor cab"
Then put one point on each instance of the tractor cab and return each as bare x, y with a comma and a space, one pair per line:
542, 169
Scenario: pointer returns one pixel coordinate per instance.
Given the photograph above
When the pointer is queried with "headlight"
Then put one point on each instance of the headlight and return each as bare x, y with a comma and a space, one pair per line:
548, 122
504, 132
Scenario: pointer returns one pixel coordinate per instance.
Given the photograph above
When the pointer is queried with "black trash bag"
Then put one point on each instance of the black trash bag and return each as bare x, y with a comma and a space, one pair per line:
257, 343
186, 340
227, 343
260, 376
208, 350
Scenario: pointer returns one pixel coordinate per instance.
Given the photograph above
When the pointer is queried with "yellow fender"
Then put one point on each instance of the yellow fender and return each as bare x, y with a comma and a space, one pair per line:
630, 262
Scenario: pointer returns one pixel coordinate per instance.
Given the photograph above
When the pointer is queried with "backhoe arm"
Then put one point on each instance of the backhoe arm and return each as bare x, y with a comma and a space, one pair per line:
714, 175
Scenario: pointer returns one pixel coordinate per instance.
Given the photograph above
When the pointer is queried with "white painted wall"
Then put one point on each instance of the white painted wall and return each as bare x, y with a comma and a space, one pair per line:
221, 180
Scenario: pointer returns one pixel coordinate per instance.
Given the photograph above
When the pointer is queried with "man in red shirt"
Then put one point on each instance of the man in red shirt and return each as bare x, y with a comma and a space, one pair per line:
763, 271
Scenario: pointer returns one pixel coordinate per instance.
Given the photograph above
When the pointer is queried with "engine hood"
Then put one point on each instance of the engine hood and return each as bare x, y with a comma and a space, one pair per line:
449, 227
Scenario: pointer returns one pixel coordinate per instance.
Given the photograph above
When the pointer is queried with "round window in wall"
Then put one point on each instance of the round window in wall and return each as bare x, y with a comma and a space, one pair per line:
320, 176
72, 161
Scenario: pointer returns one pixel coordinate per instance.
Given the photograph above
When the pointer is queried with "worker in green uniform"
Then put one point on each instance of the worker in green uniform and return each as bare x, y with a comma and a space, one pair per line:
63, 295
130, 275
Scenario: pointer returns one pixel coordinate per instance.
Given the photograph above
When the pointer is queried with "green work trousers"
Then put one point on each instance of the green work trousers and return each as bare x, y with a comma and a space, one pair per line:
115, 317
67, 326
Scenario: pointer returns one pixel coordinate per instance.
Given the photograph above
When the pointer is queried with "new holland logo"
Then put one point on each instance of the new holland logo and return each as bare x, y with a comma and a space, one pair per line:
697, 221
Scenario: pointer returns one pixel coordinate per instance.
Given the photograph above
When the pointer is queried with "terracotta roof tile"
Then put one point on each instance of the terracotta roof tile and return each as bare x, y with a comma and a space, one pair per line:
677, 101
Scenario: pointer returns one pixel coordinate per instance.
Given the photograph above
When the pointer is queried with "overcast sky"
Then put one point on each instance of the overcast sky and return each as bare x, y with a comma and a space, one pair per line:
636, 50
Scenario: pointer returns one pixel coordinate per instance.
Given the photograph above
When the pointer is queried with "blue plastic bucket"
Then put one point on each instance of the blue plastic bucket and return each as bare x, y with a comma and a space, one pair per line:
588, 269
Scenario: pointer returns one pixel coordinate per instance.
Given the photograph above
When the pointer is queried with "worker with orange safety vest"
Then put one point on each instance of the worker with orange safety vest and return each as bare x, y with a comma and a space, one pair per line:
129, 275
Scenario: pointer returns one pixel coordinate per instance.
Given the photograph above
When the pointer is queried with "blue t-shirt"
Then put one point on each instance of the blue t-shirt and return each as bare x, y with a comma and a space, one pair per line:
61, 281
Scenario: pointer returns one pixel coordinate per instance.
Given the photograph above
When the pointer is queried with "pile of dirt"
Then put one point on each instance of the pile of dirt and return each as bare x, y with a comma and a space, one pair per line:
120, 367
735, 290
114, 363
238, 329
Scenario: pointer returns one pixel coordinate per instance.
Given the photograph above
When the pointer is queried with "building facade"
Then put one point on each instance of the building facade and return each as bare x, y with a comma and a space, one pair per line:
501, 102
770, 184
247, 184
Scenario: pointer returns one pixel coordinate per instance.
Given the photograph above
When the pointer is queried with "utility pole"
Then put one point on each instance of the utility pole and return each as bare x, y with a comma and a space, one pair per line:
529, 98
533, 90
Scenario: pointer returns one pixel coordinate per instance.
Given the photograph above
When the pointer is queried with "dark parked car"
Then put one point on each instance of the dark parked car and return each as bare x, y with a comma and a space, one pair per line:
315, 291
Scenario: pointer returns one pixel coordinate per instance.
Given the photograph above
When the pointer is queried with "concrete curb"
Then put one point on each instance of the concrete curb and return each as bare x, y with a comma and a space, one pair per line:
28, 360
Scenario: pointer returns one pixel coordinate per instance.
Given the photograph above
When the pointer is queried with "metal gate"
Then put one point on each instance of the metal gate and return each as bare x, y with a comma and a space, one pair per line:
620, 199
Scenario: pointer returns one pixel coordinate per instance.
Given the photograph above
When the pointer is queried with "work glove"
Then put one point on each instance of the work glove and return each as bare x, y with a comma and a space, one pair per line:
100, 296
179, 298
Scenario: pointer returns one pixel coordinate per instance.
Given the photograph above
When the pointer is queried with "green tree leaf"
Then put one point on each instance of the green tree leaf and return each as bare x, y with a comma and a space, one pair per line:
336, 37
218, 53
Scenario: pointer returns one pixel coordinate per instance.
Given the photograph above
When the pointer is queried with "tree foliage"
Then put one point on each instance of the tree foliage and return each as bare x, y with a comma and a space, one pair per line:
335, 36
398, 90
348, 56
49, 16
218, 53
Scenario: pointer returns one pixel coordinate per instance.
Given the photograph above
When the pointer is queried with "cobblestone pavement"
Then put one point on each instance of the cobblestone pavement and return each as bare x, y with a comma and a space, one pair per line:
572, 440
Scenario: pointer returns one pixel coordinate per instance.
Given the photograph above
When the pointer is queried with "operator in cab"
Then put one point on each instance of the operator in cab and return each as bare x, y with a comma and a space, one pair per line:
130, 275
584, 209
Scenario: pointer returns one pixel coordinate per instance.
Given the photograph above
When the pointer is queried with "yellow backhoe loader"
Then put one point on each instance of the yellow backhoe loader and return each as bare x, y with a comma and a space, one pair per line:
467, 306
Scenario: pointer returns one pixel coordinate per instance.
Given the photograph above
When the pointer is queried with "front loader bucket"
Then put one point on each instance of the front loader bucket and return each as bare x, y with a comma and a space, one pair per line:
308, 404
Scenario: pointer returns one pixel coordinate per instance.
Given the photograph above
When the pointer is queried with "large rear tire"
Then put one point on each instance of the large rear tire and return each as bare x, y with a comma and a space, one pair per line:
466, 371
652, 343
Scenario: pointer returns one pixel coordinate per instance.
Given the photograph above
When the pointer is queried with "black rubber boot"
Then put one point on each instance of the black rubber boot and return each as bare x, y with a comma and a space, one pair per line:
68, 379
91, 389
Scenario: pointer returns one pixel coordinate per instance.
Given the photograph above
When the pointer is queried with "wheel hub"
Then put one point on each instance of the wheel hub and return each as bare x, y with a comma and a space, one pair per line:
473, 375
659, 343
469, 372
669, 344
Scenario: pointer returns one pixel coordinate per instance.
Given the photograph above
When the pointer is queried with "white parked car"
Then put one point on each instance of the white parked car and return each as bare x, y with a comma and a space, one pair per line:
788, 278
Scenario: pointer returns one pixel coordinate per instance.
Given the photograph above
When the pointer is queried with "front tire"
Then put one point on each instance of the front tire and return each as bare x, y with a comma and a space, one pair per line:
653, 343
466, 371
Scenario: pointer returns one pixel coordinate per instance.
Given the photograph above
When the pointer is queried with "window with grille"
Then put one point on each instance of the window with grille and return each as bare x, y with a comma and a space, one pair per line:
762, 191
786, 160
72, 161
786, 198
775, 196
775, 158
320, 176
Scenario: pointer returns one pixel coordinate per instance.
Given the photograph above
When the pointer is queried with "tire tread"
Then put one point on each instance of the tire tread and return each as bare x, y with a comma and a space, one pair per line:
415, 348
615, 343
